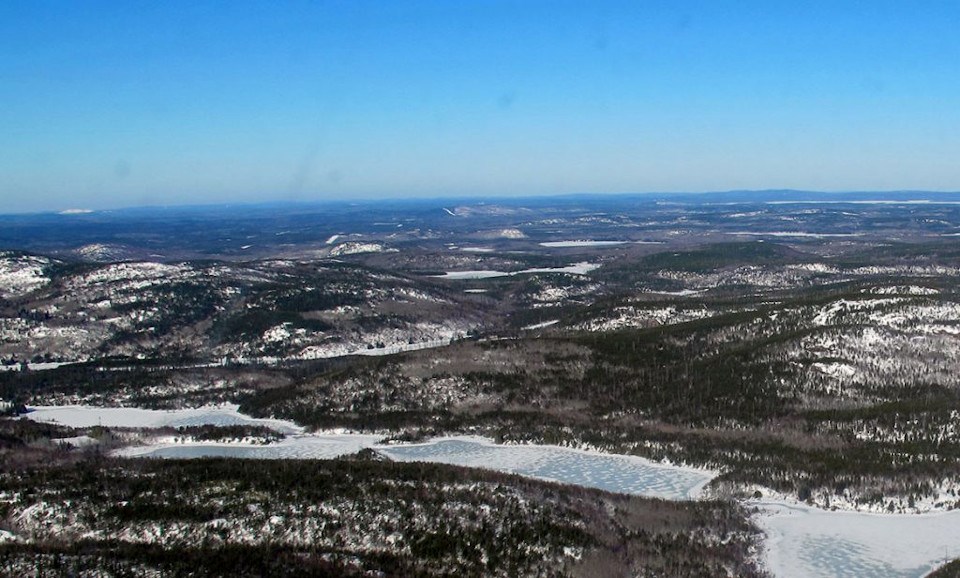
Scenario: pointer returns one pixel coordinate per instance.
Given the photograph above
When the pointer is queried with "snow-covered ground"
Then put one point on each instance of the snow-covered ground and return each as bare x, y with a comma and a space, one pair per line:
639, 316
390, 340
39, 366
550, 295
541, 325
402, 347
807, 542
130, 276
502, 234
904, 290
77, 441
21, 274
355, 248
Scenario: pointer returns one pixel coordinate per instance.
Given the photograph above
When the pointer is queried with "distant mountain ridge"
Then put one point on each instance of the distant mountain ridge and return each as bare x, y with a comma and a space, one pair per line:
437, 203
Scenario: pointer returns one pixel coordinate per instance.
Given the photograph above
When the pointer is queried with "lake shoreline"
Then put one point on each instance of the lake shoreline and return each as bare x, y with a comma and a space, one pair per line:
800, 539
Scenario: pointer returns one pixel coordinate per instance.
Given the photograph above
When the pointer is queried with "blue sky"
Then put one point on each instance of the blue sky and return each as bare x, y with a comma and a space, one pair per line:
106, 104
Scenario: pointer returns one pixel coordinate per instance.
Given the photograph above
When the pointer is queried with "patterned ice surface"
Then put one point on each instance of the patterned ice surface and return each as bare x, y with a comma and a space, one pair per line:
616, 473
293, 448
625, 474
806, 542
801, 541
89, 416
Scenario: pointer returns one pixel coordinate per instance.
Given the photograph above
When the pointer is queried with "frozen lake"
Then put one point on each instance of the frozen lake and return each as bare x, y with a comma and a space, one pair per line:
89, 416
615, 473
576, 269
801, 541
804, 542
593, 243
581, 243
298, 447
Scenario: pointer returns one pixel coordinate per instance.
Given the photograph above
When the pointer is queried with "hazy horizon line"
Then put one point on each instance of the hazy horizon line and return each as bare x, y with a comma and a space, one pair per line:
505, 197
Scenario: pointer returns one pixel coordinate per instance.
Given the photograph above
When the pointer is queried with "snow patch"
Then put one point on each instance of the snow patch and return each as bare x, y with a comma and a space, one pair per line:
20, 275
541, 325
904, 290
356, 248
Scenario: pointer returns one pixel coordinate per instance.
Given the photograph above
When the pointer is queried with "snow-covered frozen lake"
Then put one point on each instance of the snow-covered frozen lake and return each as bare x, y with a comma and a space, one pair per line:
581, 243
90, 416
802, 541
576, 269
615, 473
297, 447
593, 243
805, 542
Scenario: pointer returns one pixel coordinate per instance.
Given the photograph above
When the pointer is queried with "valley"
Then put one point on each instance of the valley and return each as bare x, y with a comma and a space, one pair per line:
802, 349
